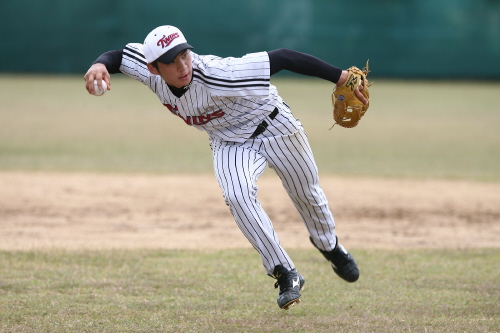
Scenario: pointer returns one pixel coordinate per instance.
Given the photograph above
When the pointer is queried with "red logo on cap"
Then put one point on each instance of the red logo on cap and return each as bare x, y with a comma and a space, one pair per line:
165, 41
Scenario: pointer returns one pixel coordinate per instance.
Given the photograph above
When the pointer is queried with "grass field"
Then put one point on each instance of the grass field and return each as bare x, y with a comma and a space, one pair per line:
186, 291
413, 129
418, 130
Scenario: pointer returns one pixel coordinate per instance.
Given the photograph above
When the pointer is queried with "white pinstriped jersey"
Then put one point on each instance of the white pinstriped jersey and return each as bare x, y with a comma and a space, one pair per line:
227, 98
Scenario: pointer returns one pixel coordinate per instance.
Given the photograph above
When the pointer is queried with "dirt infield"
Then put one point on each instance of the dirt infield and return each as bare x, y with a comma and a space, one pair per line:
95, 211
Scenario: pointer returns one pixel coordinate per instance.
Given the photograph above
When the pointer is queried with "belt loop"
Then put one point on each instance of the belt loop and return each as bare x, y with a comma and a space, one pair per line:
274, 113
263, 125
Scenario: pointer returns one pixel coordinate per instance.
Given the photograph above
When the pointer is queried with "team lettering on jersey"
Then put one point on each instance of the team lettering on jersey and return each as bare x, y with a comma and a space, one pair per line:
196, 120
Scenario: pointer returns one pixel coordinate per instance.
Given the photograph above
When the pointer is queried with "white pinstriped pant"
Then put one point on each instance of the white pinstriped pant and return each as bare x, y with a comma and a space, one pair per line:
237, 167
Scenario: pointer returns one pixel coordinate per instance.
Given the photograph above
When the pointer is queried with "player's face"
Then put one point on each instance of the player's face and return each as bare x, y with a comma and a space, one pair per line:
179, 72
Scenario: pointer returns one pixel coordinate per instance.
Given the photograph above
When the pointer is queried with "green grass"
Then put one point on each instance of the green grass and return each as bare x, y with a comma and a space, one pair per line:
412, 129
227, 291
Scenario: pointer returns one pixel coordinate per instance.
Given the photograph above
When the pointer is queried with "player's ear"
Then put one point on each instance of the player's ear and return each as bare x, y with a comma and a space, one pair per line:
153, 69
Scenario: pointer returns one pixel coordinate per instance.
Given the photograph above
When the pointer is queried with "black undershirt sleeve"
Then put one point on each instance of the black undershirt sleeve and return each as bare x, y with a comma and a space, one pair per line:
302, 63
280, 59
112, 60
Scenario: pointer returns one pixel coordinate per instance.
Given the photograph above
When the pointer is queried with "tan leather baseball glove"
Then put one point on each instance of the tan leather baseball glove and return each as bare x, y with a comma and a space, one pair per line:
347, 108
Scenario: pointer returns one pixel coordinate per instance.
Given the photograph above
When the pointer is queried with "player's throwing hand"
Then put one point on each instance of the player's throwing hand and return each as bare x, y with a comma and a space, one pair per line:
97, 72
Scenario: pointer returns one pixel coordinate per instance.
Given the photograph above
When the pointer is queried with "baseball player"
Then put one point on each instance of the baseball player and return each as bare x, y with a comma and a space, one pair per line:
249, 127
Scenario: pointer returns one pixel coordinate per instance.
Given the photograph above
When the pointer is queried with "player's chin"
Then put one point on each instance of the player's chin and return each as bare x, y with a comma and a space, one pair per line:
185, 80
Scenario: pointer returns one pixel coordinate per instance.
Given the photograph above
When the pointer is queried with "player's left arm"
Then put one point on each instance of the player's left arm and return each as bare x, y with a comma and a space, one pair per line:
305, 64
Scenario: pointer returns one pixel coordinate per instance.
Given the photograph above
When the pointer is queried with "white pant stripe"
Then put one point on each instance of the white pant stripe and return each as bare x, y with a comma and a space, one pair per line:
311, 203
238, 166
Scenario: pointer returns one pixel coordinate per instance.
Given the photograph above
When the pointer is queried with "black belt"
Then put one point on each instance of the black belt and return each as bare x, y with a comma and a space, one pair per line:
263, 125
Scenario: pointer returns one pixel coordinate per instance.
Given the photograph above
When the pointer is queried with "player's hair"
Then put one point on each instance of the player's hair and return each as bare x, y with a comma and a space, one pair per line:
155, 64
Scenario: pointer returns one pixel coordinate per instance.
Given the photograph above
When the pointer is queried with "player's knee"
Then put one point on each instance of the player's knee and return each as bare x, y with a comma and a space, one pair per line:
238, 198
233, 198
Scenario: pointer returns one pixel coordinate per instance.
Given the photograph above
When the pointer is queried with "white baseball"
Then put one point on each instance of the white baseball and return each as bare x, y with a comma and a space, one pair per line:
100, 92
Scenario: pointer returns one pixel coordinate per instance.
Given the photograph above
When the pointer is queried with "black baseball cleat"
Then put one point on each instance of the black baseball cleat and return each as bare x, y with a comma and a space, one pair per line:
290, 283
342, 262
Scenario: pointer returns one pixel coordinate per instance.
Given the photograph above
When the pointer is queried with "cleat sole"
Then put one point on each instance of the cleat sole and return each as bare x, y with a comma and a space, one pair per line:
290, 304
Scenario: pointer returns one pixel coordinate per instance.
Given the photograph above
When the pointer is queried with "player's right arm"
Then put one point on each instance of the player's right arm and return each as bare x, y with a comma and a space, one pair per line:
107, 63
